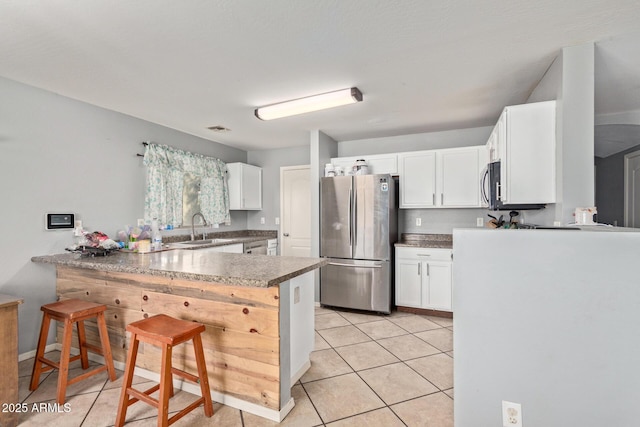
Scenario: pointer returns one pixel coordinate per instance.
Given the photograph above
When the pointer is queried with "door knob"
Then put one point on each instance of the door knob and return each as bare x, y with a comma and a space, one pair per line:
286, 234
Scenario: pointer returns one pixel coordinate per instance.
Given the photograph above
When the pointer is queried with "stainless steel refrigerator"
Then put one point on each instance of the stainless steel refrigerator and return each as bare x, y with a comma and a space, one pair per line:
358, 227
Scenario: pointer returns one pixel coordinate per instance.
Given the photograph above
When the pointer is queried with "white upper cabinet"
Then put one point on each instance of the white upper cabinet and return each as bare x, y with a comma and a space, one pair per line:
245, 186
460, 177
524, 141
417, 179
447, 178
377, 163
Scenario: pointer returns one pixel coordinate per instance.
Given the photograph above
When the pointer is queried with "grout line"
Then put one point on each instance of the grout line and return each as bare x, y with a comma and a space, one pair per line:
312, 404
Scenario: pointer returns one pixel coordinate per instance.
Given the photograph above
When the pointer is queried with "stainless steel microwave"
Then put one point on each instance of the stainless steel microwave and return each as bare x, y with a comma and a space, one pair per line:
491, 190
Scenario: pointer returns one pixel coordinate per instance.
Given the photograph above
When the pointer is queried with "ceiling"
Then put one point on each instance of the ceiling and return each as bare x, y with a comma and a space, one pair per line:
422, 66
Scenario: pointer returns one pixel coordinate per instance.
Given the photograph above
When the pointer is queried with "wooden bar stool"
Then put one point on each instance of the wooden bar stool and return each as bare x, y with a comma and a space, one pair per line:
165, 332
69, 312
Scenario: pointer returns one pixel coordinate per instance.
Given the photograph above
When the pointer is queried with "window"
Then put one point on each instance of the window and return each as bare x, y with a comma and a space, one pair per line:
175, 176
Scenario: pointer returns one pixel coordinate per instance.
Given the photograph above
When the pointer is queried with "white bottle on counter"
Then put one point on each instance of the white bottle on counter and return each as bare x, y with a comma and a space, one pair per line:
156, 236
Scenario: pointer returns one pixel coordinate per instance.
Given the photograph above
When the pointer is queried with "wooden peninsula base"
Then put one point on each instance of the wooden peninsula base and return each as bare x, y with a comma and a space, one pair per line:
9, 360
257, 340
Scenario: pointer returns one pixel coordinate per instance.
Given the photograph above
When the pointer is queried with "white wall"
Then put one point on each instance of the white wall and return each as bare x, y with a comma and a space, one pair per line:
61, 155
546, 319
271, 161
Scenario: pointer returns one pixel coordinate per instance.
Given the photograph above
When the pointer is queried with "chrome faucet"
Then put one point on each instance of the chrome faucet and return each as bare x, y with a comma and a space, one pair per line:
204, 224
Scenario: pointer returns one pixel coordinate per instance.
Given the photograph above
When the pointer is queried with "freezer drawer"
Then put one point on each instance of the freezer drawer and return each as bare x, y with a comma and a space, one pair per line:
358, 284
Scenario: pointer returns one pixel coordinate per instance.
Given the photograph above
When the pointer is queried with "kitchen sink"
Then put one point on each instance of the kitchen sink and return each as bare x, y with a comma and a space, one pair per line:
202, 242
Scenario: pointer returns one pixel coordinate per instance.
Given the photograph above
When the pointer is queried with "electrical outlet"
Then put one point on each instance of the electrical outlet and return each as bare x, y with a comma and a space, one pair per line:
418, 222
557, 223
262, 220
479, 222
277, 221
511, 414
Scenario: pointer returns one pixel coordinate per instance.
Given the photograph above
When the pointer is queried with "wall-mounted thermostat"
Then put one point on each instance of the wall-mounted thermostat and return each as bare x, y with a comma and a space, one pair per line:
58, 221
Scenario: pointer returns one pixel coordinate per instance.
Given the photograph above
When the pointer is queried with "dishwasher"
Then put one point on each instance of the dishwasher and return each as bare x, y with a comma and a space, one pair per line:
256, 248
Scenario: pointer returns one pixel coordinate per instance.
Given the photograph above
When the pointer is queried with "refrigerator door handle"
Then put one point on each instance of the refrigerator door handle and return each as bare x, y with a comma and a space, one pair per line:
351, 221
355, 216
355, 265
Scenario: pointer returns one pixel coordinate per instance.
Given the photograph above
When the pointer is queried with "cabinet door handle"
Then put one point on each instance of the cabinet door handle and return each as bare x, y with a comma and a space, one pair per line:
427, 270
441, 199
424, 255
433, 199
419, 269
286, 234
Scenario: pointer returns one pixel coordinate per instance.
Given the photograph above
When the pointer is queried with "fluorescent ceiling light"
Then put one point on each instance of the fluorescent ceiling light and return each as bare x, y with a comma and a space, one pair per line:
310, 103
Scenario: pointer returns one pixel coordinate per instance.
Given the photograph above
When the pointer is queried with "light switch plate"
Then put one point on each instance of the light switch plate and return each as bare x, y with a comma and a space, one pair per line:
262, 220
277, 221
418, 222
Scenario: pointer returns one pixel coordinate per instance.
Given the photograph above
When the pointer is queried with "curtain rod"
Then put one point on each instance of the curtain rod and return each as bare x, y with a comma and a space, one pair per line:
145, 144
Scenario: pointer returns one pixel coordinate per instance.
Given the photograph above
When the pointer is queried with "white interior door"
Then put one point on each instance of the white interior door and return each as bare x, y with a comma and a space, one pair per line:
632, 189
295, 211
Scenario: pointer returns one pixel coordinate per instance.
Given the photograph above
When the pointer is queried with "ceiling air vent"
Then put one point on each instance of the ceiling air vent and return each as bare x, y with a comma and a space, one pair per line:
219, 128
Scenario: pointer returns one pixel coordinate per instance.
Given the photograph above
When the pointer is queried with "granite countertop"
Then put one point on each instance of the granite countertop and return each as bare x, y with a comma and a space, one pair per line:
414, 240
226, 268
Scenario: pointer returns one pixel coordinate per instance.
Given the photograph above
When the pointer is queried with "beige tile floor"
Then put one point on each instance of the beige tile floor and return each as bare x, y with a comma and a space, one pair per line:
366, 369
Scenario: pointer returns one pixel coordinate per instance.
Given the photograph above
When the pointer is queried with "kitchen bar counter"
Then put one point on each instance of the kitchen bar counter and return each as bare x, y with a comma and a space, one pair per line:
225, 268
415, 240
258, 311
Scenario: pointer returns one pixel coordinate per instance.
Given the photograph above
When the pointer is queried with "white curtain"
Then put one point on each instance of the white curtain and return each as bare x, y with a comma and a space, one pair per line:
166, 167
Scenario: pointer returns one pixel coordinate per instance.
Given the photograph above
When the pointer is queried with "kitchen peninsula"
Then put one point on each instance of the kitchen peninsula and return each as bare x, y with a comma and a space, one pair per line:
258, 311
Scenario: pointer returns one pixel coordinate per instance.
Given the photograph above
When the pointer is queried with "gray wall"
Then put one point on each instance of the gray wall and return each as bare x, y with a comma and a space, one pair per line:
570, 81
61, 155
323, 148
416, 142
438, 221
271, 161
546, 319
610, 187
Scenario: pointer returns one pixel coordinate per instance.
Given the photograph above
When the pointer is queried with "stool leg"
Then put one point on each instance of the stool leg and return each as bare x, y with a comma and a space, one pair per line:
165, 387
127, 380
82, 344
202, 373
106, 346
42, 343
63, 372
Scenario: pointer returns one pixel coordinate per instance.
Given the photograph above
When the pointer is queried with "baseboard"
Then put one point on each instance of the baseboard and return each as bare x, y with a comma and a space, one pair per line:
32, 353
295, 377
225, 399
426, 312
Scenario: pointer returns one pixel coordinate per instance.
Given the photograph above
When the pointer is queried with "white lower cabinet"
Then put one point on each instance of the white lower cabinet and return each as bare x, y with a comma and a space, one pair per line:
236, 248
423, 278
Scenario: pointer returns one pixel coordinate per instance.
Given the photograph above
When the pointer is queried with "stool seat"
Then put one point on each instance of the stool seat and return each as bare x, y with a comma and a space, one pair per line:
165, 332
73, 309
69, 312
165, 329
